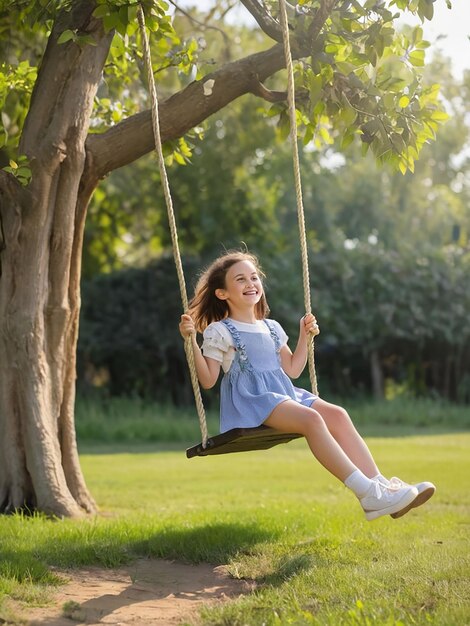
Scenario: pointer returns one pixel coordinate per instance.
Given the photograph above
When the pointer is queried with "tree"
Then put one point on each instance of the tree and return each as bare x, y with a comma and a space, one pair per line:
356, 76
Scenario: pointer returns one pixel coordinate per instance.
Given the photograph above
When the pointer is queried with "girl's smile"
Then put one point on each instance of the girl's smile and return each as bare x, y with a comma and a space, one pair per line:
243, 288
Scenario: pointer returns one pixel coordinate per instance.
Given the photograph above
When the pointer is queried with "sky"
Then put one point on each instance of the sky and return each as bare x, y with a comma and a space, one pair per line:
454, 27
449, 30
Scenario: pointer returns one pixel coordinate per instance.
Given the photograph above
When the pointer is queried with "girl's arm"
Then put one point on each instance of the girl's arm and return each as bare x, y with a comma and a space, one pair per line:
293, 363
207, 369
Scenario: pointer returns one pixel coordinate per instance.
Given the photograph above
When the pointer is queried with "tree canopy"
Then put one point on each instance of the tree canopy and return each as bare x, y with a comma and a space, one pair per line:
357, 76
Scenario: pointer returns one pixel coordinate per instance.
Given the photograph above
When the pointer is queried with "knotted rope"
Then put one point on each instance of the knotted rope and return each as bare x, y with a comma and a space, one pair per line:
188, 346
298, 184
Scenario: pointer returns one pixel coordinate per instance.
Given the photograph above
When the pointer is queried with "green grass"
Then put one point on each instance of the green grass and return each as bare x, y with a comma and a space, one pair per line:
275, 517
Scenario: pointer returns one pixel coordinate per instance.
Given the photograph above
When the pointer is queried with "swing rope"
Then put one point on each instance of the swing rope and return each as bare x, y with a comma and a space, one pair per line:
298, 184
188, 346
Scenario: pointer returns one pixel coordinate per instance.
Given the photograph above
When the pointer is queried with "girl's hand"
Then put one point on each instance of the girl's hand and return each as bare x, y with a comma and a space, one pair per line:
186, 326
309, 326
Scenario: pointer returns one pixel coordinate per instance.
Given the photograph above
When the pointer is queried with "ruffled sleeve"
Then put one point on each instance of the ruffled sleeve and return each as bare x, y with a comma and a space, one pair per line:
217, 342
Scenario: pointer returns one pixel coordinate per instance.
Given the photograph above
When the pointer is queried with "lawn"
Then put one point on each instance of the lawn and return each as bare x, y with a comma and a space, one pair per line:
276, 517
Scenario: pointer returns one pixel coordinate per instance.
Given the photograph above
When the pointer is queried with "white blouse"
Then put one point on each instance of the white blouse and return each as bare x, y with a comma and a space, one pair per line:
218, 342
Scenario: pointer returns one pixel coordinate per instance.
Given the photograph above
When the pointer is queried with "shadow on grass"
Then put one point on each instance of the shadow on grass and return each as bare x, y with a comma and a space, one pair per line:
287, 568
211, 543
111, 547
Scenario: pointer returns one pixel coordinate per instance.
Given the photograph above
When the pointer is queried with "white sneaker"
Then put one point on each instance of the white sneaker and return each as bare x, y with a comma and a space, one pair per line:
425, 491
384, 500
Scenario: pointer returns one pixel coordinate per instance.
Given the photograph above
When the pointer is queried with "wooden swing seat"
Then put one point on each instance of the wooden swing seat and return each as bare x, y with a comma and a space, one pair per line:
242, 440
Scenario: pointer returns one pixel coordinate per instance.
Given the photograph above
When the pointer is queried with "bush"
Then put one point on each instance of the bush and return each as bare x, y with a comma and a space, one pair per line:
129, 341
398, 315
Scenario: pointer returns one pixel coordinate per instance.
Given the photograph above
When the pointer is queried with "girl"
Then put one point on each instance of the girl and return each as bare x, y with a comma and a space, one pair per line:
230, 308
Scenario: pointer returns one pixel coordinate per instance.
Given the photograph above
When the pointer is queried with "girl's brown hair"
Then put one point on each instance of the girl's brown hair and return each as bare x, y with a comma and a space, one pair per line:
205, 307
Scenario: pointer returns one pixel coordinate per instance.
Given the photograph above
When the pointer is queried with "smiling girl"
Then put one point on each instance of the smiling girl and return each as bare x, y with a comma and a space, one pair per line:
230, 309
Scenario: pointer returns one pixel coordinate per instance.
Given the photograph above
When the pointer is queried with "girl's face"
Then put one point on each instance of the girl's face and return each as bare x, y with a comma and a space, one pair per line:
243, 287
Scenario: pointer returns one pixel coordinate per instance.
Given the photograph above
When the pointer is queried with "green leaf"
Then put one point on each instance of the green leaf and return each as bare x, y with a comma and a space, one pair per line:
316, 88
86, 40
347, 140
308, 136
132, 14
275, 109
439, 116
325, 135
284, 127
66, 35
110, 21
179, 158
331, 48
417, 58
417, 35
124, 15
404, 102
101, 11
371, 127
426, 9
345, 67
348, 115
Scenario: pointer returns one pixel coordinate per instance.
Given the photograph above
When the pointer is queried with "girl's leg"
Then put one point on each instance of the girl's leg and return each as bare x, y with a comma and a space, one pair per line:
289, 416
376, 499
343, 430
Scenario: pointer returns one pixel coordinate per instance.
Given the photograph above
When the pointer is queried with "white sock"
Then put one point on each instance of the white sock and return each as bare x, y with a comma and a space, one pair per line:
381, 478
358, 483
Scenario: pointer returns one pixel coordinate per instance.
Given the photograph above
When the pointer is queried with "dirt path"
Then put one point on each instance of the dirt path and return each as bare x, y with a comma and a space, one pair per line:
146, 592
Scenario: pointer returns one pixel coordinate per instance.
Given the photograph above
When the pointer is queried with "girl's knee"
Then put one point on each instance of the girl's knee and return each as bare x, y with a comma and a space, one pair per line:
342, 416
314, 420
339, 420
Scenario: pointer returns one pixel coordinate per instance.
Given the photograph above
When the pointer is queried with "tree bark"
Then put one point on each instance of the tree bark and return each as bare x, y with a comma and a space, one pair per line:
39, 287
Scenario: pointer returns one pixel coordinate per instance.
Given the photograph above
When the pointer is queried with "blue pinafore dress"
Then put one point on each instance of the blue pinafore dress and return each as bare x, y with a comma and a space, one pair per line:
255, 383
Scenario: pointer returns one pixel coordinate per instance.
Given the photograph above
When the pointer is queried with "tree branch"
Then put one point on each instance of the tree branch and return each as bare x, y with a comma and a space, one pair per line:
265, 21
321, 15
133, 137
260, 90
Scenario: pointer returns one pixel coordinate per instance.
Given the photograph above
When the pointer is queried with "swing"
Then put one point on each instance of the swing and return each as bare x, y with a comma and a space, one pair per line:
237, 439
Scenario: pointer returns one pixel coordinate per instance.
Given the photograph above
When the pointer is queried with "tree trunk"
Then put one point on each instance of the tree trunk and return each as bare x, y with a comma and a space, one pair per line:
42, 230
